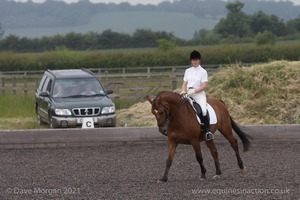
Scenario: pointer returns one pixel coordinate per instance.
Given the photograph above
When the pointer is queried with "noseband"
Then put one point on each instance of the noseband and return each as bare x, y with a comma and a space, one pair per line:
167, 116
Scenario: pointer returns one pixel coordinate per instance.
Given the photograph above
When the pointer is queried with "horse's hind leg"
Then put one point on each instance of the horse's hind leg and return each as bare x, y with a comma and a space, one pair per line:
213, 150
171, 152
227, 133
199, 158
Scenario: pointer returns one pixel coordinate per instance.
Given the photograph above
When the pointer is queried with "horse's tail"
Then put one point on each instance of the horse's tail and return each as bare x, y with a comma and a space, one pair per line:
243, 136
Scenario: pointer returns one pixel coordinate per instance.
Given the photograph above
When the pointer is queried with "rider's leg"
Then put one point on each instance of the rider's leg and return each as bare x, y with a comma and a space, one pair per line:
209, 135
201, 100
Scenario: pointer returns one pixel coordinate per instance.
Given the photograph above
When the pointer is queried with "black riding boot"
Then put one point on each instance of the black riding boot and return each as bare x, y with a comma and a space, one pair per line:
209, 135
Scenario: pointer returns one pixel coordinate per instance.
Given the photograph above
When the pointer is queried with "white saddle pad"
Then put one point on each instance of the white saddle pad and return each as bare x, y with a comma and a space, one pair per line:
212, 114
211, 111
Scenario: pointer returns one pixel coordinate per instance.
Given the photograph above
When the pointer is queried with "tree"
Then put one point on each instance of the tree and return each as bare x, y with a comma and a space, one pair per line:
260, 22
1, 31
236, 22
293, 25
164, 45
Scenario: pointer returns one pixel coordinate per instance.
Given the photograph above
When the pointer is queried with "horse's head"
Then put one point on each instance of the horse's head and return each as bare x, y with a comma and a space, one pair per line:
161, 112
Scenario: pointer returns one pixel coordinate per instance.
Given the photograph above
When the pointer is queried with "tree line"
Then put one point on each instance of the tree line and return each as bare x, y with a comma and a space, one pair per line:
53, 13
236, 27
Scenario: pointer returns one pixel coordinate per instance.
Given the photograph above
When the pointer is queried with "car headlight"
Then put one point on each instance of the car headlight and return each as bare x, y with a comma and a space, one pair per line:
107, 110
63, 112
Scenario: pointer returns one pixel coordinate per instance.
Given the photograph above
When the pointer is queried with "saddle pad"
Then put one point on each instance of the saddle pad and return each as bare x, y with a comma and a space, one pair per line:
212, 114
211, 111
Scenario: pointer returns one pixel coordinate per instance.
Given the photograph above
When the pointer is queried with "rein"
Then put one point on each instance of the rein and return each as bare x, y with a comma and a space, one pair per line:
167, 117
166, 111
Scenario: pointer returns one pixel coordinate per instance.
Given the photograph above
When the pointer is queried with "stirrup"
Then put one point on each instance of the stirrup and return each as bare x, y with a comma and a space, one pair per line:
209, 136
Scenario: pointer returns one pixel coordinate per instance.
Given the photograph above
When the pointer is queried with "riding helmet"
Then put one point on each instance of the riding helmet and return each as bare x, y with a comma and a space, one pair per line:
195, 55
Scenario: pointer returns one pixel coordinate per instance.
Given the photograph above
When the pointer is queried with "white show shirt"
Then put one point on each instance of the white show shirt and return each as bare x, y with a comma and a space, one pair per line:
195, 76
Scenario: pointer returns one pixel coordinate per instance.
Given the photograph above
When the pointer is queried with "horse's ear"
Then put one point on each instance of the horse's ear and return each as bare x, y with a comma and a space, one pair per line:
149, 99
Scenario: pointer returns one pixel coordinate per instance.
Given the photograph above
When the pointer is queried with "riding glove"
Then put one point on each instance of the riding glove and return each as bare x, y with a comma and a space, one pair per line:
191, 91
182, 92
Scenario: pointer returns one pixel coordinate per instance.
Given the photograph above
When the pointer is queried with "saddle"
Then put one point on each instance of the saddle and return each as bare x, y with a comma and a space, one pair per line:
198, 111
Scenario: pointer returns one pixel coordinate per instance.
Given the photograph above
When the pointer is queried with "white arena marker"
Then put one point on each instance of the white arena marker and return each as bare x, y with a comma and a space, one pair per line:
87, 123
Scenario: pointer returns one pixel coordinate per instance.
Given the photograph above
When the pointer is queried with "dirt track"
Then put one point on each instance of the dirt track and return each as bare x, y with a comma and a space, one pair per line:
130, 171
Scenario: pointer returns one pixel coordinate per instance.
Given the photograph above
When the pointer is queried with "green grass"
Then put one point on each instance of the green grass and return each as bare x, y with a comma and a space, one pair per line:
17, 112
15, 106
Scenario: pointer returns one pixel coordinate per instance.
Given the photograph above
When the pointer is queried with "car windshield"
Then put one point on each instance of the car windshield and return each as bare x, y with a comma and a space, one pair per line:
79, 87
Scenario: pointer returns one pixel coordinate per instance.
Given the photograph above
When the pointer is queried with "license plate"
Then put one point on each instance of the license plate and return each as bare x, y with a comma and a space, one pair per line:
80, 120
87, 122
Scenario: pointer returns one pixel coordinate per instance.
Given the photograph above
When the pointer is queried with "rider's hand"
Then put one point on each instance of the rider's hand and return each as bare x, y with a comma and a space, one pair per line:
191, 91
182, 92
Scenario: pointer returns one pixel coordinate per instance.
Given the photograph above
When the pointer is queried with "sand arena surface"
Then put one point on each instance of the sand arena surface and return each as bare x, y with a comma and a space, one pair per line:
131, 170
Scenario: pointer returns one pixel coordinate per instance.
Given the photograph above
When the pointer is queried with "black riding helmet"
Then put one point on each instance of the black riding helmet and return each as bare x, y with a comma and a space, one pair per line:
195, 55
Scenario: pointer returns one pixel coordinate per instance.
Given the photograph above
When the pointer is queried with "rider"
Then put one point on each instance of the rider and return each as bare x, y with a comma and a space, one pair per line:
194, 84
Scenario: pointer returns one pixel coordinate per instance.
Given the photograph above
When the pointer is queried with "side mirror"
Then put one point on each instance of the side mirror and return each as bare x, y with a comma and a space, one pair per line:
44, 94
109, 91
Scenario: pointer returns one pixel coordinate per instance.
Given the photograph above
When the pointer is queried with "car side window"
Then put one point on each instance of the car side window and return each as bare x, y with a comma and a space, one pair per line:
49, 86
42, 82
46, 85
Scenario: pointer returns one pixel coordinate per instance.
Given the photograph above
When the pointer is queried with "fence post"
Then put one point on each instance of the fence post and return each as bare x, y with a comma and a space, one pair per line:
14, 83
148, 71
124, 73
174, 84
25, 80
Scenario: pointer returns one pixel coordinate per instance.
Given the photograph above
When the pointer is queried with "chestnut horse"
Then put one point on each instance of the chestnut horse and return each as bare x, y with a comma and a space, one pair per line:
177, 119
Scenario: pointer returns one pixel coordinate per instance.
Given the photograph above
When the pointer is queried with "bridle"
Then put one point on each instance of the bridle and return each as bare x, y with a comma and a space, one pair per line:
166, 115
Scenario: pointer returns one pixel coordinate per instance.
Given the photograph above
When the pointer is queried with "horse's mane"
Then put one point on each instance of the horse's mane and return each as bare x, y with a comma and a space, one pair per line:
169, 96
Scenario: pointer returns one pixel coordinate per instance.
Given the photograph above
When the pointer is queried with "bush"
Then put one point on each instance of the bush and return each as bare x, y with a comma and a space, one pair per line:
265, 38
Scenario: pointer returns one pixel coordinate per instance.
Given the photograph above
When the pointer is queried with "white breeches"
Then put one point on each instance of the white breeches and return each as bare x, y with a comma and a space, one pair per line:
200, 98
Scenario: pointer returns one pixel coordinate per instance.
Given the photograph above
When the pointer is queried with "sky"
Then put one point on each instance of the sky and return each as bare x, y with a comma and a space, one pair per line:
132, 2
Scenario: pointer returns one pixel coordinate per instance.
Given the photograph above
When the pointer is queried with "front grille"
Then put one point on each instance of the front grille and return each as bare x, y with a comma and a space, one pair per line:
86, 111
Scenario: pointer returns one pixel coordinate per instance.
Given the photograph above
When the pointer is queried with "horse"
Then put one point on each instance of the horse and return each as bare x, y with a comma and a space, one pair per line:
177, 120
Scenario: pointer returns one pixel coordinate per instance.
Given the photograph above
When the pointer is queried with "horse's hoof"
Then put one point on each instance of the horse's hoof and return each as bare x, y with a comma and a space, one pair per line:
244, 171
216, 176
162, 180
203, 177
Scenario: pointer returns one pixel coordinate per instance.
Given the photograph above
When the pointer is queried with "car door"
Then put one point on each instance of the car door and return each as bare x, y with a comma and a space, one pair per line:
44, 101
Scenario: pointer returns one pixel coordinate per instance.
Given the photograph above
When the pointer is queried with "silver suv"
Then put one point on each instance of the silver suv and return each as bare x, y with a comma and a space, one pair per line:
67, 98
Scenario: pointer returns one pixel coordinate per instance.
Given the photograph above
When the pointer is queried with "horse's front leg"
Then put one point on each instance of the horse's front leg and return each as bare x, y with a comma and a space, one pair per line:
171, 152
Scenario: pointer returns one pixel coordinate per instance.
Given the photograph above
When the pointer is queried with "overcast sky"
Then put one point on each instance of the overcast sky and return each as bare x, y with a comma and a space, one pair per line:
133, 2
